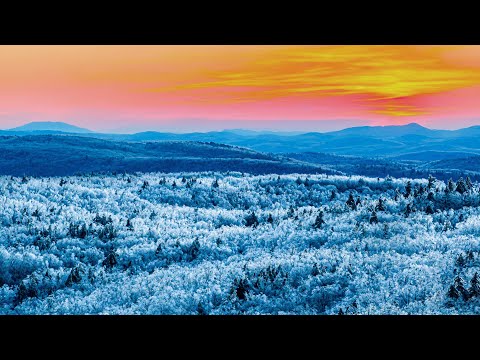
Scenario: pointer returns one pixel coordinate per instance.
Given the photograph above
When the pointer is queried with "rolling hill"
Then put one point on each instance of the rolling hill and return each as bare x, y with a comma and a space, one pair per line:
51, 155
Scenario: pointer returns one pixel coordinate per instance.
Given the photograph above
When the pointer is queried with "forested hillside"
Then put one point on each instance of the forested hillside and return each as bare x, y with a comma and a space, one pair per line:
57, 155
218, 243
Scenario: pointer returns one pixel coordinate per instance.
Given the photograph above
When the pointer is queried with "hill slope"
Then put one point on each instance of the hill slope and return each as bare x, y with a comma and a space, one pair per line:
50, 155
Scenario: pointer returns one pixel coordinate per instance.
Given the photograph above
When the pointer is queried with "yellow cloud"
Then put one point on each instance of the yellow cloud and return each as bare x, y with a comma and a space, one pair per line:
379, 72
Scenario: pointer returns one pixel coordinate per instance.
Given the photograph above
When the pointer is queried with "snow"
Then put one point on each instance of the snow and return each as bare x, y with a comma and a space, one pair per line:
188, 249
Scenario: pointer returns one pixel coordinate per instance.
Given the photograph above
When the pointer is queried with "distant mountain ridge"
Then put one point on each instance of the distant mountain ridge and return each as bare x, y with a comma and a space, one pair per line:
51, 126
407, 142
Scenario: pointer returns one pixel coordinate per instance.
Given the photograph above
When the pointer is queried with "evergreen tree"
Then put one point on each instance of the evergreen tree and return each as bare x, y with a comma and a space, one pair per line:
201, 309
460, 261
408, 210
241, 288
373, 218
430, 196
458, 283
429, 210
290, 211
386, 234
153, 215
408, 189
299, 181
129, 225
351, 202
82, 233
333, 195
74, 276
319, 220
453, 293
468, 182
251, 220
194, 249
110, 260
215, 184
431, 182
174, 184
451, 185
461, 187
470, 256
315, 270
159, 249
270, 219
474, 290
397, 194
380, 206
184, 180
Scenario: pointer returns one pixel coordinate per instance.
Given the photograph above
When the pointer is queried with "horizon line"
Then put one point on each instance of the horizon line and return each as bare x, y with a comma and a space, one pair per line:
166, 130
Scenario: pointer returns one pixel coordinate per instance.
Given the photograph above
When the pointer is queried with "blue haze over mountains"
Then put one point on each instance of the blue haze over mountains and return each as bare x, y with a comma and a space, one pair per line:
55, 148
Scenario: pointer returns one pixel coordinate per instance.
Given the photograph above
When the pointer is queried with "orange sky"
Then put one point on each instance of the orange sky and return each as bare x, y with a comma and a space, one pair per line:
207, 87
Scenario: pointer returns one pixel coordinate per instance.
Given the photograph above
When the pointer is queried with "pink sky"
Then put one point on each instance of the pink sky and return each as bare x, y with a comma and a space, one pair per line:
195, 88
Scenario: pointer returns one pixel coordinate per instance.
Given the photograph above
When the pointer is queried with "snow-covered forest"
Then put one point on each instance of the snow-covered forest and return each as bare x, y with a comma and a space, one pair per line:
232, 243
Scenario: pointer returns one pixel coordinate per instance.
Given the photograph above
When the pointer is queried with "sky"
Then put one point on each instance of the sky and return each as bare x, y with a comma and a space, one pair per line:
216, 87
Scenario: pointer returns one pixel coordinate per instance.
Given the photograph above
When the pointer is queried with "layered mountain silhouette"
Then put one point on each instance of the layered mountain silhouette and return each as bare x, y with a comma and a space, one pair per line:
406, 142
414, 145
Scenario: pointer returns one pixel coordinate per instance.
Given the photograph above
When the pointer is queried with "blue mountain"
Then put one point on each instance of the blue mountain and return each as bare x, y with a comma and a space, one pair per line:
51, 126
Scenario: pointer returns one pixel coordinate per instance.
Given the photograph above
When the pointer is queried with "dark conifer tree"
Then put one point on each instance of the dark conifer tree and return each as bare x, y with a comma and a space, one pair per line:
351, 202
110, 260
290, 211
373, 218
453, 293
251, 220
474, 290
408, 189
319, 220
431, 182
270, 219
380, 206
461, 188
430, 196
82, 233
408, 210
468, 182
458, 283
450, 186
429, 210
129, 225
470, 256
315, 270
460, 261
333, 195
